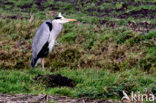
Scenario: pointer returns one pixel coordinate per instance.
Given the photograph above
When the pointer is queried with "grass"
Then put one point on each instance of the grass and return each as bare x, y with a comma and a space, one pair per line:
81, 47
103, 53
89, 82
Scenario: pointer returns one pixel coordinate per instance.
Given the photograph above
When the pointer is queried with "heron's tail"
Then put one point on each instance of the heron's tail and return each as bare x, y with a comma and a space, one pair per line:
34, 62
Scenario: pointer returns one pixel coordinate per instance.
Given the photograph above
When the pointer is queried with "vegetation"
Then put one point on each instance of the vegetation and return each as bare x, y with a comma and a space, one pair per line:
89, 82
107, 51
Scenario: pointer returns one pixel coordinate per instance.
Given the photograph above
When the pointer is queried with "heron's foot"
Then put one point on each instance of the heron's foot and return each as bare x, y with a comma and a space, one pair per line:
42, 67
56, 43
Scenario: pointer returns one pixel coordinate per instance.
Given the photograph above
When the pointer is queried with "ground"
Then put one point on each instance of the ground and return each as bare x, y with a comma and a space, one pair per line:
45, 98
110, 49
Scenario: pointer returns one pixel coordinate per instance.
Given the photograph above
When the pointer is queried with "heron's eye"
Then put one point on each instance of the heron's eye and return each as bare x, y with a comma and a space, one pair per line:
57, 17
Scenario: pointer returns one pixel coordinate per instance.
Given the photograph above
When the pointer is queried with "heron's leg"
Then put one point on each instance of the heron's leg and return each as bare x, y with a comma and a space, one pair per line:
42, 63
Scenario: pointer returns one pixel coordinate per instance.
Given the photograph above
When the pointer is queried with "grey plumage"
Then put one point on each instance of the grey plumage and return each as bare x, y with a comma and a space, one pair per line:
41, 37
45, 37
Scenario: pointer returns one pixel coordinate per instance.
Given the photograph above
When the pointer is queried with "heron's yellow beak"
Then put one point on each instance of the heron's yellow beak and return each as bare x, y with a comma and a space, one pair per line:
71, 20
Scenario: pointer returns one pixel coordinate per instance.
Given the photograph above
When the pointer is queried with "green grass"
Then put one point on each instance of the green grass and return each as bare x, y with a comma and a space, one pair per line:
81, 48
102, 59
90, 83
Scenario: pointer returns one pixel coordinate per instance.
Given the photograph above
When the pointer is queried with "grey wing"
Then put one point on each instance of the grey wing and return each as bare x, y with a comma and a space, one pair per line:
41, 37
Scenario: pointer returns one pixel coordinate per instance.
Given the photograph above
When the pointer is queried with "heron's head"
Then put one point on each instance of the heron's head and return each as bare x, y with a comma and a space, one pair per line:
60, 19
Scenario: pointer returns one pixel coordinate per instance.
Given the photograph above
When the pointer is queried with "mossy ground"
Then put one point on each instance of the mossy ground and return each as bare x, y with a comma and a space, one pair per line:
111, 48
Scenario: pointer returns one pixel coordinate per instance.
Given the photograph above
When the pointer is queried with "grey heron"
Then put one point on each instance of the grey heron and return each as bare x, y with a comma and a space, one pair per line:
45, 38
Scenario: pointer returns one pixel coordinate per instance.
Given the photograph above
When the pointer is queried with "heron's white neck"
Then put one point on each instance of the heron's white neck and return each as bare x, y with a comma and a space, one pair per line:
57, 28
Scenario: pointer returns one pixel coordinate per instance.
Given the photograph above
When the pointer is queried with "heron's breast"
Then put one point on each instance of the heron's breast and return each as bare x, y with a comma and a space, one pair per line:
51, 45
